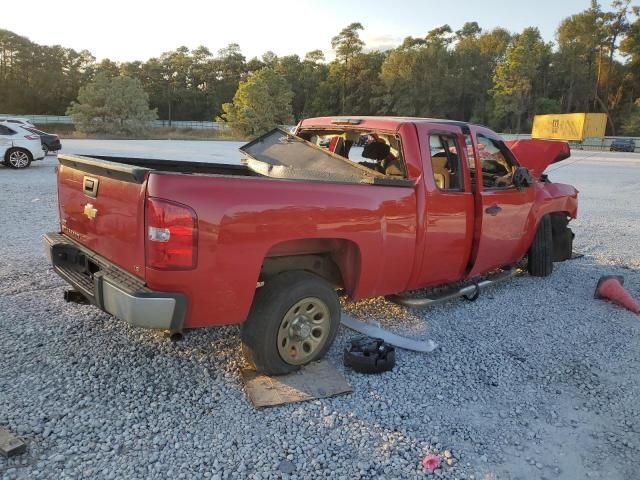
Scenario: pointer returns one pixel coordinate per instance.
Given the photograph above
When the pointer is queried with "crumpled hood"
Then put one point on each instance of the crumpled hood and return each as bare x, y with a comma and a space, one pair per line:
537, 154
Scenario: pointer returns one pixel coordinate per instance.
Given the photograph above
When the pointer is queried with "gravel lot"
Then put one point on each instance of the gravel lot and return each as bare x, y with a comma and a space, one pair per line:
536, 379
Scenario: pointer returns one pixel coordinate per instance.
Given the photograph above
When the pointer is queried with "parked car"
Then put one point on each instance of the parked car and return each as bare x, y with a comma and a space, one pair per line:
19, 147
50, 142
268, 244
623, 145
23, 122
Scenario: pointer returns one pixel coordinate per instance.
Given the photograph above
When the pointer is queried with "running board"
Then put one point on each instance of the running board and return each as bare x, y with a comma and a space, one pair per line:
471, 292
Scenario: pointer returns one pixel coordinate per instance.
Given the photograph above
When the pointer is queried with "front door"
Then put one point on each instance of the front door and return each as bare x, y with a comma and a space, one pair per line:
502, 210
449, 200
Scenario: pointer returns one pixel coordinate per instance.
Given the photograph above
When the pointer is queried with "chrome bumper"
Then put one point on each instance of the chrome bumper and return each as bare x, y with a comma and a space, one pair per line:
112, 289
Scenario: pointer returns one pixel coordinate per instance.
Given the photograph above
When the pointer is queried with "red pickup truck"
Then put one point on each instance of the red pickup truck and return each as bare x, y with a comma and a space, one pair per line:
270, 243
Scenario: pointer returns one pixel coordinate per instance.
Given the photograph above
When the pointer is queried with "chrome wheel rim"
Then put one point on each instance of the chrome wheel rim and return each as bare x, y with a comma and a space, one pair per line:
18, 159
303, 331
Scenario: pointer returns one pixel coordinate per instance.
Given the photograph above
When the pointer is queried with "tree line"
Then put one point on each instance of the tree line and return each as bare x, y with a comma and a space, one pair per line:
494, 77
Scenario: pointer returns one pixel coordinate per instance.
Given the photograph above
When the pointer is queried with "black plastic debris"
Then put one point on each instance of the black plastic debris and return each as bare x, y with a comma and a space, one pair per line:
370, 355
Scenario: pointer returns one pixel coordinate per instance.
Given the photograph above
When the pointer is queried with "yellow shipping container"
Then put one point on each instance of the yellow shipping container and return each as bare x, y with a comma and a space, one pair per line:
569, 126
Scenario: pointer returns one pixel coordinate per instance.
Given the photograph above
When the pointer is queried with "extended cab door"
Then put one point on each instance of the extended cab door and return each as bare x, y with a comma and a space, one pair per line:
502, 210
448, 206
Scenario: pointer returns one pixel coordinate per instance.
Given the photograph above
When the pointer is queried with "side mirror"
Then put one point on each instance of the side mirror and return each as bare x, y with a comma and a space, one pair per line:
522, 178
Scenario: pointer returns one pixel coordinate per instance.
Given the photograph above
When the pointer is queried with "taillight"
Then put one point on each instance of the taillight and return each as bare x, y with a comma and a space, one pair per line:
32, 137
172, 235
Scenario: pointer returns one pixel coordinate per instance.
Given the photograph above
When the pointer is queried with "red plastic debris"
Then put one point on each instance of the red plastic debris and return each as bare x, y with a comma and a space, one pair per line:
431, 462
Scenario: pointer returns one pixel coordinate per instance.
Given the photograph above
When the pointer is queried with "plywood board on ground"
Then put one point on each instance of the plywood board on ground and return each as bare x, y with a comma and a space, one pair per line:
316, 380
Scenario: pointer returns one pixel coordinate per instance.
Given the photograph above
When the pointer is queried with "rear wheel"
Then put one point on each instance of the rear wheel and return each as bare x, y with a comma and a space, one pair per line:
540, 258
293, 321
18, 158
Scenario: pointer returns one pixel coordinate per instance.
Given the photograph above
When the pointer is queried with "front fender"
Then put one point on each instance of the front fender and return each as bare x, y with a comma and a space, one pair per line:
550, 198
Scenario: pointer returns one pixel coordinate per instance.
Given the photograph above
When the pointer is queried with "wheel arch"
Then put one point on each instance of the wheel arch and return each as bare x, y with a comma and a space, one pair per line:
14, 148
334, 259
559, 223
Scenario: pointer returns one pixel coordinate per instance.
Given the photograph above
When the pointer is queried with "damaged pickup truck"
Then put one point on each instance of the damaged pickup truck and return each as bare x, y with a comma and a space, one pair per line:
269, 244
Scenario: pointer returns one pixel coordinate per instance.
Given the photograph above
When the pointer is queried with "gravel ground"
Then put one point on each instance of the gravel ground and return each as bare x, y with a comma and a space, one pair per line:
535, 379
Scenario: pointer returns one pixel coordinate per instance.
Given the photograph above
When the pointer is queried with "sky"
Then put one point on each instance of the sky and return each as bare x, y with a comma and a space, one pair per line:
141, 29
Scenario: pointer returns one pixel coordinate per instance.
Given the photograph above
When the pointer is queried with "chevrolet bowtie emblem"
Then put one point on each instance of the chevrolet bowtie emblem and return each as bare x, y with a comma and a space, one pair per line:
90, 212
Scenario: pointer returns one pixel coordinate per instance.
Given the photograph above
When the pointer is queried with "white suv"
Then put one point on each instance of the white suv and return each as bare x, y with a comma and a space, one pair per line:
18, 147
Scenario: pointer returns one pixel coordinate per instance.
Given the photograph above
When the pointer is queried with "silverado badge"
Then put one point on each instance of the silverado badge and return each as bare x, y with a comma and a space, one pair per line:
90, 212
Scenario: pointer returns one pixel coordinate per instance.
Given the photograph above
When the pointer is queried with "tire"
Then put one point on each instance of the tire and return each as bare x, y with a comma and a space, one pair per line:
18, 158
278, 331
540, 258
562, 237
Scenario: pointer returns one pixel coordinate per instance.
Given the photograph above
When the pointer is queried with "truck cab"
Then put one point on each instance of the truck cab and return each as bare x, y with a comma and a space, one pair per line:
475, 214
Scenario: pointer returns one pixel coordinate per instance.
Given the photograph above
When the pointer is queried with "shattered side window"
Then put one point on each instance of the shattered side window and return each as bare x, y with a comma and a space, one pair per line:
471, 158
497, 164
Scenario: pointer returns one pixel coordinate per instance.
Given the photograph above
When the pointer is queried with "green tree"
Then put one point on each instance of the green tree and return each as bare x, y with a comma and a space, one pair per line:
314, 76
262, 102
115, 105
347, 45
39, 79
588, 75
417, 76
630, 46
519, 80
631, 122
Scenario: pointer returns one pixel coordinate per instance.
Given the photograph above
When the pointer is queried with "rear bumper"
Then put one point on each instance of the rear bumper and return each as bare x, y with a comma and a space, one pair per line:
112, 289
53, 146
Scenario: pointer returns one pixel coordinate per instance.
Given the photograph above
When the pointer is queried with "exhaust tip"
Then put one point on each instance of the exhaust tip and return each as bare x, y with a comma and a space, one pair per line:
174, 335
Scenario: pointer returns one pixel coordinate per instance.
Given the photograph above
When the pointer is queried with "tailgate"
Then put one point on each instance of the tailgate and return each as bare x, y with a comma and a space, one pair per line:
102, 207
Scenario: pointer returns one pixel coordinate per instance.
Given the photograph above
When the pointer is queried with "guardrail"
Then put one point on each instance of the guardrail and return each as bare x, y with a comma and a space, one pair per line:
42, 119
595, 144
66, 120
195, 124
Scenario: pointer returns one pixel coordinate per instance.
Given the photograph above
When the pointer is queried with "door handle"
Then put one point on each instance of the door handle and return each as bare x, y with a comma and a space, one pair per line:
493, 210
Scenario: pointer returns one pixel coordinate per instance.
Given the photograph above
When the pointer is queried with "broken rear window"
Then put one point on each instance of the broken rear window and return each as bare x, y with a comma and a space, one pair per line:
279, 154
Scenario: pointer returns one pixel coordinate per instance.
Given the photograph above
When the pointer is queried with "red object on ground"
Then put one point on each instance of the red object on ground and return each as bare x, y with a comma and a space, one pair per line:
610, 288
431, 462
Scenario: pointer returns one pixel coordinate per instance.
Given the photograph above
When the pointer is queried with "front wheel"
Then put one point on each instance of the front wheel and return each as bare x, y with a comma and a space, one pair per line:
540, 261
18, 158
293, 321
